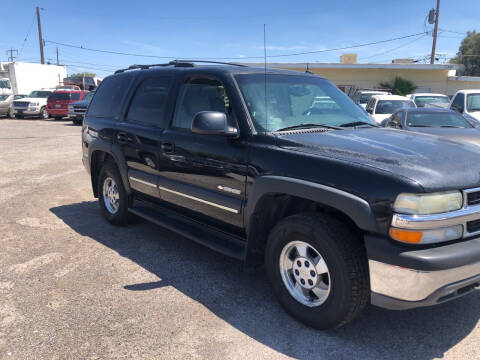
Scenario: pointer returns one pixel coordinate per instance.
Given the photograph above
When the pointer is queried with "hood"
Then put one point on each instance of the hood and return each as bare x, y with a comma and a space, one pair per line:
81, 102
435, 162
29, 99
475, 115
380, 117
468, 135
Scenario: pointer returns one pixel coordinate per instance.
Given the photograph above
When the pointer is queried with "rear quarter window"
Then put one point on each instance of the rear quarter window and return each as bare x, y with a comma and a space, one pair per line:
108, 98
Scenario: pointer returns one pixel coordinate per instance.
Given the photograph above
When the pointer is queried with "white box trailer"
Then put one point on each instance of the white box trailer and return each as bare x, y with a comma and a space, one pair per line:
26, 77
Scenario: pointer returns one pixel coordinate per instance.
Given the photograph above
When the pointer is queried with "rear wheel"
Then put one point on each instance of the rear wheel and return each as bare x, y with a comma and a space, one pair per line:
318, 269
114, 200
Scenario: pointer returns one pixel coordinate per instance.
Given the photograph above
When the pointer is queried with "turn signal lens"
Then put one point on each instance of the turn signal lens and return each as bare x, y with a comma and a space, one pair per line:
407, 236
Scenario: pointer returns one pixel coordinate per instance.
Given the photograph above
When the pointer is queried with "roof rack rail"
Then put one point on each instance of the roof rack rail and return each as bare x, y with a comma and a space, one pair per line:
177, 63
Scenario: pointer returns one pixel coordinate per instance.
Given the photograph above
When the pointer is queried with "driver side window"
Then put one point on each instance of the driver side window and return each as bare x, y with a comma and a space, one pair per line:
200, 94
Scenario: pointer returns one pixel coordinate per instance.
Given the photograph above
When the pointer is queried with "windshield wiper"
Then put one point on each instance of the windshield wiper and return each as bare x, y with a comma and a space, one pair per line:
420, 126
306, 126
358, 123
450, 126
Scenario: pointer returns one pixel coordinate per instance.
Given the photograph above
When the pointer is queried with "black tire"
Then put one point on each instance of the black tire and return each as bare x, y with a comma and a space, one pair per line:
11, 113
77, 122
345, 257
121, 216
43, 113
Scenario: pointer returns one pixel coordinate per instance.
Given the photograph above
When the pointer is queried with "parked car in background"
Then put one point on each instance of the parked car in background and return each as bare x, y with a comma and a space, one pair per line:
35, 104
380, 107
362, 97
58, 101
77, 110
467, 103
442, 122
423, 99
6, 104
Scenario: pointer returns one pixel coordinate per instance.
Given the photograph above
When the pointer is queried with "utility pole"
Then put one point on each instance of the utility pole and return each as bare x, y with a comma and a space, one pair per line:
40, 39
57, 58
435, 30
11, 51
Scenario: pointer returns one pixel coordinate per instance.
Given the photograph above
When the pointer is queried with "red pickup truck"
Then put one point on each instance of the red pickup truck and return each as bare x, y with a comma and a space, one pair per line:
57, 103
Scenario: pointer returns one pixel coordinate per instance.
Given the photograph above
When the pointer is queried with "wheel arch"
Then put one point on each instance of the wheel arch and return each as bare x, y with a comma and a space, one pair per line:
273, 198
100, 153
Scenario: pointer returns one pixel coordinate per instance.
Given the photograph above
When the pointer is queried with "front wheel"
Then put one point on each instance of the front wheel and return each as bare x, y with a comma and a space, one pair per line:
11, 113
43, 113
318, 269
114, 200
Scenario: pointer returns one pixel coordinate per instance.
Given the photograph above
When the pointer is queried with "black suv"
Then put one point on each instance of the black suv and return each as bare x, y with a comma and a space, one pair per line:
281, 168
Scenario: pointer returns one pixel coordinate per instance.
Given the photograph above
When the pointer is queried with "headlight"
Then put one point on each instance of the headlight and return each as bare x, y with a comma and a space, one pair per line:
433, 203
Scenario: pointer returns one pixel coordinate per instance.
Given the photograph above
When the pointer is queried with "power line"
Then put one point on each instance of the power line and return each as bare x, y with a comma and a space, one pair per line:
395, 48
238, 58
28, 33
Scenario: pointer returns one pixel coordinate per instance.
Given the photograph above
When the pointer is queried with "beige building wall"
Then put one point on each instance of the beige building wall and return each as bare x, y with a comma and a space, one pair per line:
456, 83
425, 80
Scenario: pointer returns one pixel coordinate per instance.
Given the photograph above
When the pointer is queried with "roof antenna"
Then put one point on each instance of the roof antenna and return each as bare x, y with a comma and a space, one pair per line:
265, 73
308, 70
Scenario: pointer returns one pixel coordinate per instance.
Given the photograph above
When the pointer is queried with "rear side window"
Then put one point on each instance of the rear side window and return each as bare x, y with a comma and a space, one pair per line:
149, 103
107, 100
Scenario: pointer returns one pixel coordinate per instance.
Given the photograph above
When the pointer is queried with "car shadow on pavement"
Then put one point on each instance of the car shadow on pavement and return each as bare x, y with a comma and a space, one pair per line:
244, 299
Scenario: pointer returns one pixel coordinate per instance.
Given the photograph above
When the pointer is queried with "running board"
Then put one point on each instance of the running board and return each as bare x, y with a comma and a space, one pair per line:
206, 235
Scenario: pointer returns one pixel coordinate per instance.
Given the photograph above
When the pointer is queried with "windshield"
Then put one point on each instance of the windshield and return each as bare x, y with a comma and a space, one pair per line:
16, 97
365, 98
40, 94
60, 96
89, 96
3, 97
437, 119
295, 100
420, 101
473, 102
390, 106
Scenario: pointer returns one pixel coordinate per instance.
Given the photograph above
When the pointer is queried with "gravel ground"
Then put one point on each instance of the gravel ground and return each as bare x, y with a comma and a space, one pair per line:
74, 287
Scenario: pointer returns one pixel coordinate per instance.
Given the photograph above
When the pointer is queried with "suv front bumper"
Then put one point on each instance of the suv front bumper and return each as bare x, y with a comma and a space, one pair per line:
404, 278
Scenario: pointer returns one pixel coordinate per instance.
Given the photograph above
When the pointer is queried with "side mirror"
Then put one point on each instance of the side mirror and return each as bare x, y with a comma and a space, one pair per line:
213, 123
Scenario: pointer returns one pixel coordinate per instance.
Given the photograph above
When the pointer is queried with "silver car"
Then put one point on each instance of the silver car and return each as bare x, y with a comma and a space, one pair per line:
6, 104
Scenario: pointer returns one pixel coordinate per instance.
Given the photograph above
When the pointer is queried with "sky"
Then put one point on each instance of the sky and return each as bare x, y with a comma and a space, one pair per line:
165, 30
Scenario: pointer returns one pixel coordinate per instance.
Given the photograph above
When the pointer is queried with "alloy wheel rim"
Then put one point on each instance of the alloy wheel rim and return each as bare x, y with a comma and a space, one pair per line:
111, 196
305, 273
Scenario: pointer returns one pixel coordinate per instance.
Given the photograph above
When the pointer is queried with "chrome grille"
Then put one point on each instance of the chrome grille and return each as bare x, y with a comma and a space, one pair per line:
473, 198
21, 103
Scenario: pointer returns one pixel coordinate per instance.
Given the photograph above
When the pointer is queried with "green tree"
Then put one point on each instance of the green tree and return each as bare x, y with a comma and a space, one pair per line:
399, 86
468, 54
83, 73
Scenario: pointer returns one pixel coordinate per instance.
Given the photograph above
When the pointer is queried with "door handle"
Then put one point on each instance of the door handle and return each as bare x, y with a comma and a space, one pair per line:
167, 147
123, 138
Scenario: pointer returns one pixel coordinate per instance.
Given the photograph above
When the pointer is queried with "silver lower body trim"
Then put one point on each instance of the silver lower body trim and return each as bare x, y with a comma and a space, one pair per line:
142, 181
414, 285
235, 211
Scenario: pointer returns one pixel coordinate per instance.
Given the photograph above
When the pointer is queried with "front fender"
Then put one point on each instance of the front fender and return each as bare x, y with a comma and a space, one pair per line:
351, 205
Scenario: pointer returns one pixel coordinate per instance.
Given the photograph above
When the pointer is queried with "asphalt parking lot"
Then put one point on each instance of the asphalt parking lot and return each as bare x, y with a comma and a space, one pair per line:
73, 286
